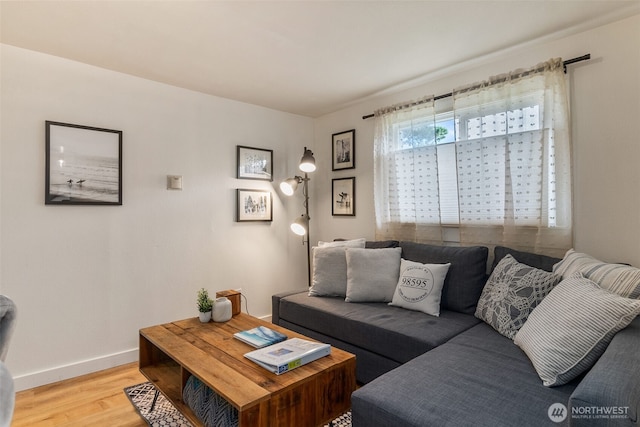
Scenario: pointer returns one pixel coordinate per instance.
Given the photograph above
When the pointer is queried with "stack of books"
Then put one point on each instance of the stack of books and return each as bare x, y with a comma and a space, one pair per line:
278, 354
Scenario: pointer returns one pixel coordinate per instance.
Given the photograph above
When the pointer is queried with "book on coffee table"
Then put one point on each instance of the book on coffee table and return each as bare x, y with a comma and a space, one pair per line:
288, 355
260, 336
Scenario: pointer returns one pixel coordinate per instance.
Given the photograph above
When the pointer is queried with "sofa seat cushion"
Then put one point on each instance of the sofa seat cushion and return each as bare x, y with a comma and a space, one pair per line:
392, 332
479, 378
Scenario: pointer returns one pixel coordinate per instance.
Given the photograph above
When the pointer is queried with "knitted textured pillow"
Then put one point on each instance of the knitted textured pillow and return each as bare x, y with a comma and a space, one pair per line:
511, 293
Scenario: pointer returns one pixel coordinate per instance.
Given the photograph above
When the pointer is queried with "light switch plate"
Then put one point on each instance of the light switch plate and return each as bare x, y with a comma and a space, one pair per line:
174, 182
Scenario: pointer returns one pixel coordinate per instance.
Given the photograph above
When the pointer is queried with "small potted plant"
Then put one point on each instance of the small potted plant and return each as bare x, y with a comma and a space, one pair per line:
205, 305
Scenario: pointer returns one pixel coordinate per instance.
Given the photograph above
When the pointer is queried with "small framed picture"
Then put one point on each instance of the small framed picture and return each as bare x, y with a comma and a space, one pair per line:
254, 163
253, 205
343, 150
83, 165
343, 196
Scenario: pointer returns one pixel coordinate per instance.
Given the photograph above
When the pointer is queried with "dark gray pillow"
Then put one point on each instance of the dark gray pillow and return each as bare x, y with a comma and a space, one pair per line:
466, 277
543, 262
511, 293
381, 244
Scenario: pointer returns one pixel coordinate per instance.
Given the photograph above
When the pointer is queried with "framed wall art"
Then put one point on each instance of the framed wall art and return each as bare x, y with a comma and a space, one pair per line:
343, 150
253, 205
254, 163
343, 196
83, 165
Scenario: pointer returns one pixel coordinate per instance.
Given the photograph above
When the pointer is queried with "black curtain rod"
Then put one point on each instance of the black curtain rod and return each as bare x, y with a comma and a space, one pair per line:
447, 95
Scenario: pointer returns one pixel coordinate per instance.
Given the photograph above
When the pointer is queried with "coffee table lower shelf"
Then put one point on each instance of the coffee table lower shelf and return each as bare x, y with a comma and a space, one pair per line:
167, 378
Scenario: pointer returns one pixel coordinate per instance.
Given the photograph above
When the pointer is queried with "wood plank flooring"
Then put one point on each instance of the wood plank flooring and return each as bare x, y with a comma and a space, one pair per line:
95, 399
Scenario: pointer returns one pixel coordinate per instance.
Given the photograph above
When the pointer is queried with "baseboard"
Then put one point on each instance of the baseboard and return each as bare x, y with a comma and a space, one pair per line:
59, 373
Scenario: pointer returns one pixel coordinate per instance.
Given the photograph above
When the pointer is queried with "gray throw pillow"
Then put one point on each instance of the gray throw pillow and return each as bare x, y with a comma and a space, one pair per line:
372, 275
329, 272
571, 328
621, 279
511, 293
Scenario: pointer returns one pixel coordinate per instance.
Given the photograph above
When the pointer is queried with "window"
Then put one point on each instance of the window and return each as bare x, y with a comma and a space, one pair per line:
488, 166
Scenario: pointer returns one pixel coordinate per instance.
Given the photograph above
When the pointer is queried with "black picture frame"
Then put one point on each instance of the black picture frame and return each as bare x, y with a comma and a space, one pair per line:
343, 196
253, 205
83, 165
343, 150
254, 163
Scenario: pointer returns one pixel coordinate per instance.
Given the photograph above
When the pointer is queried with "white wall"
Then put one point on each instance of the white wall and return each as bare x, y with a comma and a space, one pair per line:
605, 108
85, 278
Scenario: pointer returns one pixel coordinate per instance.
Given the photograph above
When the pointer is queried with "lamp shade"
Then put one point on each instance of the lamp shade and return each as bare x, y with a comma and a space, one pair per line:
288, 186
308, 162
299, 226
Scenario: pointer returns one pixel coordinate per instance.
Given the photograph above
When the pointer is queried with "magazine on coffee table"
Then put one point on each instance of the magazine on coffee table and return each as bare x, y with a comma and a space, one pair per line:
288, 355
260, 336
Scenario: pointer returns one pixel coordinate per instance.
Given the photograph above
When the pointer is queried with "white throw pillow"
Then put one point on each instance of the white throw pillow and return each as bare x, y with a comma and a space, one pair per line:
329, 272
420, 286
621, 279
355, 243
372, 274
570, 329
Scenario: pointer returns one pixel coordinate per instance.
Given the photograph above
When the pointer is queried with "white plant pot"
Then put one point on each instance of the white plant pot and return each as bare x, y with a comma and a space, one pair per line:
221, 309
205, 317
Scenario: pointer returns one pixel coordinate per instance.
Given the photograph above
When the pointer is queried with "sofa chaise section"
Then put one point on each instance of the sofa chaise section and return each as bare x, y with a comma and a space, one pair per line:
481, 372
479, 378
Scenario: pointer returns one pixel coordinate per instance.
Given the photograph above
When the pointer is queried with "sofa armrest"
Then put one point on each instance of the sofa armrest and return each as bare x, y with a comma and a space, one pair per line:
610, 392
7, 396
275, 305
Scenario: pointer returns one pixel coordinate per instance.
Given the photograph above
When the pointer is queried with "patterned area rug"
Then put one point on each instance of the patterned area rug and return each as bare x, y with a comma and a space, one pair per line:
166, 415
343, 420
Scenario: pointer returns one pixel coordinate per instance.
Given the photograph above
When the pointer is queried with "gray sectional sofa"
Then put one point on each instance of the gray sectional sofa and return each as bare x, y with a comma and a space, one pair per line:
455, 369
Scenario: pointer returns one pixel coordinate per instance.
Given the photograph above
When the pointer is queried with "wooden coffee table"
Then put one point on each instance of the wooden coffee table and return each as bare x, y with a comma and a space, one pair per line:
310, 395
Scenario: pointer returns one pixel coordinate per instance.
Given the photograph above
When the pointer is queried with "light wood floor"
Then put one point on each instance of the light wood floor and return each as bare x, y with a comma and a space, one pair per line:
96, 399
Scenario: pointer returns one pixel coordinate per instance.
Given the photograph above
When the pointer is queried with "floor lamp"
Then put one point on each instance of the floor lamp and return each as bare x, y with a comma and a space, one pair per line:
301, 225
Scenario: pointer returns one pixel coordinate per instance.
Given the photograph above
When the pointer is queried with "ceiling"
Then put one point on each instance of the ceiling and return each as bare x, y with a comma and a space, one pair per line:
303, 57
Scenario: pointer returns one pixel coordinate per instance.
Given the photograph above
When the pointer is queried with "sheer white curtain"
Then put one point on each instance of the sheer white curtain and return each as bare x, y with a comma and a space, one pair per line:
513, 159
406, 195
507, 175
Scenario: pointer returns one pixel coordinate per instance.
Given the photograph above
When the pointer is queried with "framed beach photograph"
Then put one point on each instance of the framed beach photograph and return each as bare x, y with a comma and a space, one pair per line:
83, 165
253, 205
343, 150
343, 196
254, 163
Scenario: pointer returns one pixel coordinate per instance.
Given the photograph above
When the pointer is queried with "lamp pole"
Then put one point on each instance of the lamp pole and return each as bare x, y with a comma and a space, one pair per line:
305, 193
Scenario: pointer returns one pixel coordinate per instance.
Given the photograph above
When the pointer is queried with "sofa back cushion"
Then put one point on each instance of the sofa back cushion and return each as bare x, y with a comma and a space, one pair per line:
467, 273
542, 262
381, 244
